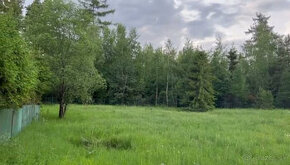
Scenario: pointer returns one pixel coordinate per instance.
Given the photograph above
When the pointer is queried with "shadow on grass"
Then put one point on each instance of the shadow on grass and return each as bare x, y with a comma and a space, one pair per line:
184, 109
118, 143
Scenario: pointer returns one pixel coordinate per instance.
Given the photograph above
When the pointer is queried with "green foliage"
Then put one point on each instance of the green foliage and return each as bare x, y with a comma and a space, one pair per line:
221, 81
18, 74
170, 67
80, 59
13, 7
238, 88
67, 46
264, 99
283, 96
120, 51
233, 59
197, 79
261, 48
146, 75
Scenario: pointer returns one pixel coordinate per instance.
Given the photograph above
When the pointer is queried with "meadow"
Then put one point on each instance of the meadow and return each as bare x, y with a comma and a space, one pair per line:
122, 135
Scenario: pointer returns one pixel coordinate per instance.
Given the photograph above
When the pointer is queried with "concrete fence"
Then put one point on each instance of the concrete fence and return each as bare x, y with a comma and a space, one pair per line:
13, 121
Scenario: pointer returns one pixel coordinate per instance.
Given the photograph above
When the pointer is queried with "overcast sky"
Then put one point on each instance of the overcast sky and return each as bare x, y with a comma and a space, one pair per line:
199, 20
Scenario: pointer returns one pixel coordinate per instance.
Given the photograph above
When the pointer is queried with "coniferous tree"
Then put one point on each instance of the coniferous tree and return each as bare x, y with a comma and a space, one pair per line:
197, 79
260, 50
221, 74
232, 100
120, 70
97, 9
238, 88
233, 59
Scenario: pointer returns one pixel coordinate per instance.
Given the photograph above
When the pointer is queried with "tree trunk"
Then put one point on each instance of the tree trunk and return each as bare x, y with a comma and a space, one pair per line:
167, 79
61, 110
124, 90
157, 87
156, 95
167, 91
62, 102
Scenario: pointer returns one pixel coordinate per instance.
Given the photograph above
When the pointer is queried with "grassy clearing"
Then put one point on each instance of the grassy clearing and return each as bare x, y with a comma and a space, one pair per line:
144, 135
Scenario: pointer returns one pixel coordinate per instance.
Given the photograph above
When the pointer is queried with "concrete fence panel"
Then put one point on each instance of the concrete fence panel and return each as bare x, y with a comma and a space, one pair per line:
5, 123
13, 121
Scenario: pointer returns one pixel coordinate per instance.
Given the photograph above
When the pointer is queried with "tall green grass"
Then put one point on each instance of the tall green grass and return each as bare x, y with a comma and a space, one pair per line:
145, 135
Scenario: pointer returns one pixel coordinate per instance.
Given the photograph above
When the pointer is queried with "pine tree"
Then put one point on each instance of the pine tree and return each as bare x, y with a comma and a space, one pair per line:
221, 74
260, 49
233, 59
97, 9
238, 88
197, 79
235, 79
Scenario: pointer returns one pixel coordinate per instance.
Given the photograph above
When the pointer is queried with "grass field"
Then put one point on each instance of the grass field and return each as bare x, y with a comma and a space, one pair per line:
160, 136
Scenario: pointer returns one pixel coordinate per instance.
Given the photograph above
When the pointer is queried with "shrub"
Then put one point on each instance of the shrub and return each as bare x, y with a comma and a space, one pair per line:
264, 99
18, 74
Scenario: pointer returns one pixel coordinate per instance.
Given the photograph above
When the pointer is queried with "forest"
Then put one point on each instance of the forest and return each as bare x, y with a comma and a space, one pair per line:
67, 51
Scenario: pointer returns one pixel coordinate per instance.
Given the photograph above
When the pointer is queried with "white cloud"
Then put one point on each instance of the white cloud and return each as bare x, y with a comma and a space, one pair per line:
190, 15
209, 16
177, 4
279, 22
222, 2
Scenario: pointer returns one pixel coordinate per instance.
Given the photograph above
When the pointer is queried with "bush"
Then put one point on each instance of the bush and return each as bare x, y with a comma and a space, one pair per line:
264, 99
18, 74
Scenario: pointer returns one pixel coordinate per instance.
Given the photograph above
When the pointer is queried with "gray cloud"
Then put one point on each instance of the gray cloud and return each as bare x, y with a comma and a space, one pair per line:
198, 20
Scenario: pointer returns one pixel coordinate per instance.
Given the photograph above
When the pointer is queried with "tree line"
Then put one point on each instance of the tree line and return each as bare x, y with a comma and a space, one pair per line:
66, 50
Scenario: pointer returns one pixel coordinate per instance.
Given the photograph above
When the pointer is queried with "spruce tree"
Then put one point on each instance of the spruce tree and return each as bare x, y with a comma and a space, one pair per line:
233, 59
97, 9
261, 52
221, 74
197, 79
238, 88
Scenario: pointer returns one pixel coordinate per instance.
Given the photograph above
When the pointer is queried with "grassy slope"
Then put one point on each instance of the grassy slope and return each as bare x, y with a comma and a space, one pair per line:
144, 135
